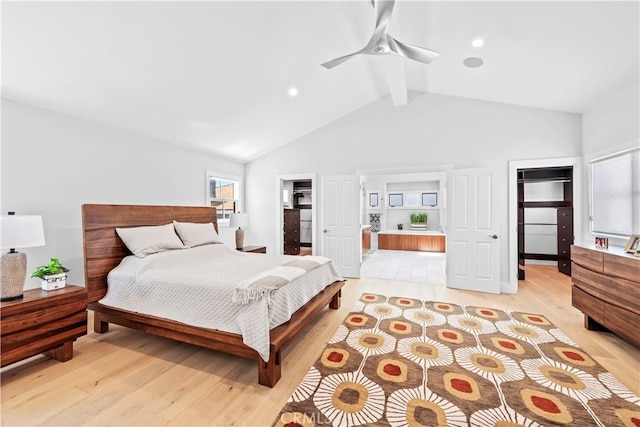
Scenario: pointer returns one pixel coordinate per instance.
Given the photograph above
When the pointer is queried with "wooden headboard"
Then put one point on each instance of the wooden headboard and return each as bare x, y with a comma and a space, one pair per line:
103, 249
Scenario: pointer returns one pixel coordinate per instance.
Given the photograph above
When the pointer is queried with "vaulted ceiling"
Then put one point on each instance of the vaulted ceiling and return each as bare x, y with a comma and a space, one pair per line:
215, 76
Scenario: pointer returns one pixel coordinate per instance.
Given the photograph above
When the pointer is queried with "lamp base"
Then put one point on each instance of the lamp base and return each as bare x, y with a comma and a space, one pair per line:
14, 270
239, 238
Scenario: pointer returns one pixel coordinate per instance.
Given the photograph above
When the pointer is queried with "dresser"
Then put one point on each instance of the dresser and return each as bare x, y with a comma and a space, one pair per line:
606, 288
291, 232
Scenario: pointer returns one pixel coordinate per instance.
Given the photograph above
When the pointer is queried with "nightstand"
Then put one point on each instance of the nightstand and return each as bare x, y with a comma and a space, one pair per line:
254, 249
45, 322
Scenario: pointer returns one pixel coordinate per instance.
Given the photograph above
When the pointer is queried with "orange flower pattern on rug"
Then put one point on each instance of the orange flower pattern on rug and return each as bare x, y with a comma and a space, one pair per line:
399, 361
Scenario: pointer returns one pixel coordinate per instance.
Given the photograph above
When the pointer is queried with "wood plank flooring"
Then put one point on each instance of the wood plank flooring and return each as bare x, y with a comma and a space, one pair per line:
128, 378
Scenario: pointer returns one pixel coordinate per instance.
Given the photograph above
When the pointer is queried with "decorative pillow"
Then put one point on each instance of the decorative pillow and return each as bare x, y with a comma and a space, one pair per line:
196, 234
143, 241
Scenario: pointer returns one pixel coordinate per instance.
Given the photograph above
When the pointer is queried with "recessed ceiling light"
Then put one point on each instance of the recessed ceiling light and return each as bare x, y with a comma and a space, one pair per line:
477, 43
293, 92
473, 62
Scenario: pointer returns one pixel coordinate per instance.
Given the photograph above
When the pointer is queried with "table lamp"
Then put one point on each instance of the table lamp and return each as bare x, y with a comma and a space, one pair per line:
239, 220
17, 231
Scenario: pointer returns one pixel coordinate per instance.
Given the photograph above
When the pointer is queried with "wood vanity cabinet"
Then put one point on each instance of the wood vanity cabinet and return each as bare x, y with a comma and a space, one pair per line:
606, 288
366, 239
291, 232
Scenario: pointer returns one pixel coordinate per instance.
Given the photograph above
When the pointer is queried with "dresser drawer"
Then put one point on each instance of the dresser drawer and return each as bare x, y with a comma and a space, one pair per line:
624, 267
564, 266
292, 249
612, 290
619, 321
588, 304
593, 260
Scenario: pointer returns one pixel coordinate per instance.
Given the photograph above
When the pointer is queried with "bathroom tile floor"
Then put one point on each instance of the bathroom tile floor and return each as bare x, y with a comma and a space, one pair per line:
425, 267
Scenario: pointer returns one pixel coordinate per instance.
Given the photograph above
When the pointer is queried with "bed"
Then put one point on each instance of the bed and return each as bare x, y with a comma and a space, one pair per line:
104, 251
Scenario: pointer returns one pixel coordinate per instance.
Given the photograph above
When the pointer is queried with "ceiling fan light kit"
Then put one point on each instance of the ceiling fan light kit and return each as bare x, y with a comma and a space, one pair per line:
382, 43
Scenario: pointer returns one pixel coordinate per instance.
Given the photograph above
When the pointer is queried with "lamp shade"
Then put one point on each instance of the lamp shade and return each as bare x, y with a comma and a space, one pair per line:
239, 220
21, 231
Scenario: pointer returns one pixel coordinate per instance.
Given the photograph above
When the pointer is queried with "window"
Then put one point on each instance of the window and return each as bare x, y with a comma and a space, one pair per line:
614, 194
430, 199
395, 200
413, 200
223, 193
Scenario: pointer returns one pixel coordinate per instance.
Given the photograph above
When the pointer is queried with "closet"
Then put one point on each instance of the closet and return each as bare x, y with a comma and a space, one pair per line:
545, 216
302, 200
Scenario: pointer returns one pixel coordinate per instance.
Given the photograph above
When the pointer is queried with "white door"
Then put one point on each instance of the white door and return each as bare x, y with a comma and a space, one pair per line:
341, 224
473, 244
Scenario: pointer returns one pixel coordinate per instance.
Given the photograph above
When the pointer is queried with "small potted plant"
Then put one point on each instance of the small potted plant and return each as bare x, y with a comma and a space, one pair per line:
399, 226
419, 220
52, 276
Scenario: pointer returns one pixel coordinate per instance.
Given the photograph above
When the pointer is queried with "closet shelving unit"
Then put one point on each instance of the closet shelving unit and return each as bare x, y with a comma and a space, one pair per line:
302, 192
564, 215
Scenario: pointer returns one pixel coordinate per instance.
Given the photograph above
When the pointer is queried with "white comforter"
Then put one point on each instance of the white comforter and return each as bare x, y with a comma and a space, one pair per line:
196, 286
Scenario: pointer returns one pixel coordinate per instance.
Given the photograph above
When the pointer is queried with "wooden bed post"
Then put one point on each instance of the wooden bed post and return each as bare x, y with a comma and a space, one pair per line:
99, 326
270, 372
335, 301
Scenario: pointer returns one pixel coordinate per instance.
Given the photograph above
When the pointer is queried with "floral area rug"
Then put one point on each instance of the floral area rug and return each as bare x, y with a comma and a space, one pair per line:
405, 362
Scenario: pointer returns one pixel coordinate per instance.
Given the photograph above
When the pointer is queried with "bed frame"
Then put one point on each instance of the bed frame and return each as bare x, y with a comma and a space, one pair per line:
103, 251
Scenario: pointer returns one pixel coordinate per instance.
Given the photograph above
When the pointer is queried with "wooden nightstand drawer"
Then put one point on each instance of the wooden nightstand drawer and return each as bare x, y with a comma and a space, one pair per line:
43, 322
254, 249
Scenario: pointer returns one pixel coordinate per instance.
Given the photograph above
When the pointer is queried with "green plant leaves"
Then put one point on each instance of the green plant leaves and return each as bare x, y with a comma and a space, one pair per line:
418, 217
54, 267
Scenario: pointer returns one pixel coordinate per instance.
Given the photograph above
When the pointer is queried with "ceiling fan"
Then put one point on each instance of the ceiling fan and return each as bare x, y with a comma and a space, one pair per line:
382, 43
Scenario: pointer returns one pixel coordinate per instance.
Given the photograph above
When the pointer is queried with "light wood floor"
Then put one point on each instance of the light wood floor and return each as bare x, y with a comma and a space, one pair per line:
127, 378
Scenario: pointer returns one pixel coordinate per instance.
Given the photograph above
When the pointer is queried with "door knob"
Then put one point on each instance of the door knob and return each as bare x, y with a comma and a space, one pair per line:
493, 236
325, 231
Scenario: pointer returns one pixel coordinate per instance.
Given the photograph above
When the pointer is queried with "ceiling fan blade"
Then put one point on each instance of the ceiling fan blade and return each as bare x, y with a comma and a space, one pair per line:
416, 53
330, 64
383, 16
384, 8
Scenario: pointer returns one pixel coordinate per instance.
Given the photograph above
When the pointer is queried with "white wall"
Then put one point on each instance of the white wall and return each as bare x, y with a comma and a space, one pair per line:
610, 126
52, 164
431, 130
612, 122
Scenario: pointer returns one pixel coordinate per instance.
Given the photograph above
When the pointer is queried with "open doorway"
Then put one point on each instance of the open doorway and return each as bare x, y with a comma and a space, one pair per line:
297, 214
404, 223
545, 217
575, 164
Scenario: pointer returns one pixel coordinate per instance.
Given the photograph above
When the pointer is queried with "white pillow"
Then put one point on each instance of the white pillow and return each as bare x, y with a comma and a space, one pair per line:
143, 241
196, 234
